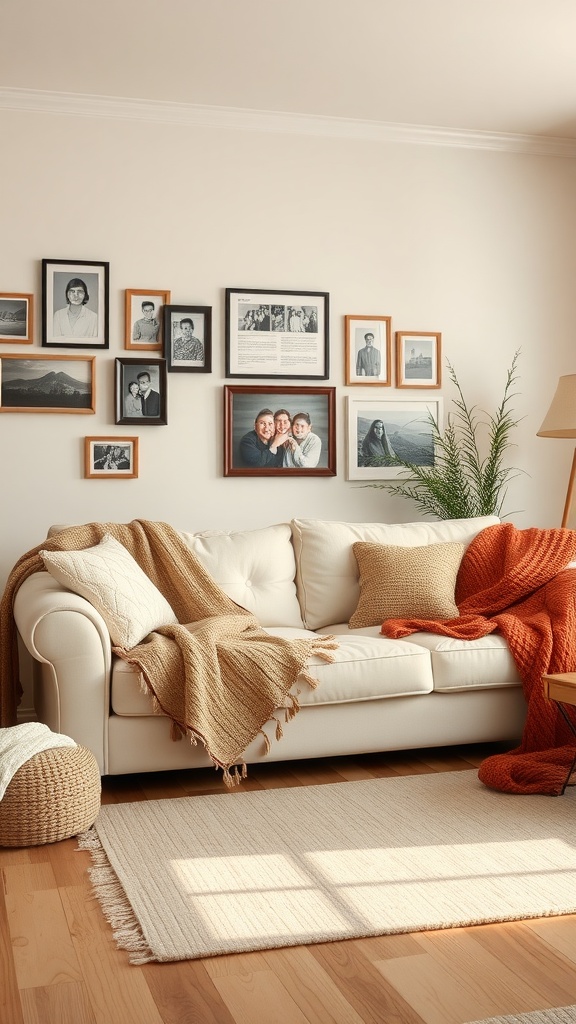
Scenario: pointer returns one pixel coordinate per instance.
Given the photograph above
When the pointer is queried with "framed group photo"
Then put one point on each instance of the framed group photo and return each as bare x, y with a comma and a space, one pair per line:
418, 359
188, 339
277, 334
144, 318
279, 431
379, 431
106, 457
40, 383
140, 391
16, 318
75, 298
368, 350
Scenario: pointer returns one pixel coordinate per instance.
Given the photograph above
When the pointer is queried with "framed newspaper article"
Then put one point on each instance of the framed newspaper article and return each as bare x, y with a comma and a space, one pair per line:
277, 334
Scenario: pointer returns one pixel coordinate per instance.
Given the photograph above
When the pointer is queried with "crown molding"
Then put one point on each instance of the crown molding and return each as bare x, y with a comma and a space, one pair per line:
236, 118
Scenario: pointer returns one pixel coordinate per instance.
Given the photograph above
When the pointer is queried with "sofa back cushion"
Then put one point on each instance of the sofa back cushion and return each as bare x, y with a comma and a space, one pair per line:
256, 568
327, 570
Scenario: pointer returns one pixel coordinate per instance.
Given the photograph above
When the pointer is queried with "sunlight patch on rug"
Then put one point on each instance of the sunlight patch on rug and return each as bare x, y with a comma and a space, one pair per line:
197, 876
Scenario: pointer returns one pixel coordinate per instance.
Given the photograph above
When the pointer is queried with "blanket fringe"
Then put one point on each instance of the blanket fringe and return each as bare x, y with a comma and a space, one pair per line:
116, 907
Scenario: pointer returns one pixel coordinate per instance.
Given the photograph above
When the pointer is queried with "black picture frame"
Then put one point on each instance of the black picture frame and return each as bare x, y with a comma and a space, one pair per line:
241, 407
126, 372
92, 327
275, 333
201, 319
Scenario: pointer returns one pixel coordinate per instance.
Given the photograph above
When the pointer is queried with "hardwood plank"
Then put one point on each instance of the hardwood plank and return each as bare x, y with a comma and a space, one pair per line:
235, 963
384, 947
42, 948
258, 998
317, 995
533, 962
557, 932
184, 993
59, 1004
10, 1007
117, 990
363, 986
30, 877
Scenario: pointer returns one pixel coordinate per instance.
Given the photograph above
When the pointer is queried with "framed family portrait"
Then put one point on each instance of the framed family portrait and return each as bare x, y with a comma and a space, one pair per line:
110, 457
140, 391
16, 318
144, 318
368, 350
418, 359
75, 297
188, 339
279, 431
38, 383
277, 334
381, 430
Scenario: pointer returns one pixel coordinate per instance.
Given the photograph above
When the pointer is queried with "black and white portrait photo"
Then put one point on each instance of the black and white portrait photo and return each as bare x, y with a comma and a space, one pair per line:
140, 391
75, 304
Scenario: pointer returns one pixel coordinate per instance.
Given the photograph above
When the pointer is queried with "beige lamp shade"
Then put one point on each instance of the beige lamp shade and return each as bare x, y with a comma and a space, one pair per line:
560, 420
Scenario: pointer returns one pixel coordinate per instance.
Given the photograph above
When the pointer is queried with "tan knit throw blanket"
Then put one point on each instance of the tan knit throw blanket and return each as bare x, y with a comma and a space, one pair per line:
219, 678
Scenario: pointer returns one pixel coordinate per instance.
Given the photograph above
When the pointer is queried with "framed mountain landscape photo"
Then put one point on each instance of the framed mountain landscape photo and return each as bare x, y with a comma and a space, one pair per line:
40, 383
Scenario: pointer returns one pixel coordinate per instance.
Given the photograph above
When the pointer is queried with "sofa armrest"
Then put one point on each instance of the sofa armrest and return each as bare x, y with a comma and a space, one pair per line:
70, 644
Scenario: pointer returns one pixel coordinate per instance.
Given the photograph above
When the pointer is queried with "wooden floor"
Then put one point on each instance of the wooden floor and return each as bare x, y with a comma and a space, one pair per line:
59, 964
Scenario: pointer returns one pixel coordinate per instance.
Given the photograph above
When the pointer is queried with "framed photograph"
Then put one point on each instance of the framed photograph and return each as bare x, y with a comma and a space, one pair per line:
188, 338
277, 334
38, 383
378, 430
144, 318
368, 350
16, 318
140, 391
75, 296
418, 359
106, 457
279, 431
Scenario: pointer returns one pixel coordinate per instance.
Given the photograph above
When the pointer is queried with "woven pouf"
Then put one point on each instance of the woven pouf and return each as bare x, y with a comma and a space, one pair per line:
52, 796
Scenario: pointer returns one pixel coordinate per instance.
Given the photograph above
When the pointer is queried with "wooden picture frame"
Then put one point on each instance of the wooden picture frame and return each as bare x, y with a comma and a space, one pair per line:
149, 405
16, 318
282, 334
41, 383
144, 319
245, 450
406, 432
108, 458
75, 303
418, 359
368, 347
188, 339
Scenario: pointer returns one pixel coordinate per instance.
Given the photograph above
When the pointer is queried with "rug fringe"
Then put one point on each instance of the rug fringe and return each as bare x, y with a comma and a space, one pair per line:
115, 905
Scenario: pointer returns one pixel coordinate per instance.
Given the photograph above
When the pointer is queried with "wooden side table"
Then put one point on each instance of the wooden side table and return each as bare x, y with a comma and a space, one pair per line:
562, 689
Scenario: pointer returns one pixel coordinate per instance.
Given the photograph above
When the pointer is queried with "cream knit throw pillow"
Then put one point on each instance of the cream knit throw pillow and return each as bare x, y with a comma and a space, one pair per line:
406, 582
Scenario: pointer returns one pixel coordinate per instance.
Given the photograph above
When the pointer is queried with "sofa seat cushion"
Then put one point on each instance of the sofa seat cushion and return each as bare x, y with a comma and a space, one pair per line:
327, 571
365, 668
256, 568
468, 664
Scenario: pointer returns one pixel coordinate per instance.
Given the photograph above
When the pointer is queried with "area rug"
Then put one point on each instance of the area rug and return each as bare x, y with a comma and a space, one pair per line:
559, 1015
238, 871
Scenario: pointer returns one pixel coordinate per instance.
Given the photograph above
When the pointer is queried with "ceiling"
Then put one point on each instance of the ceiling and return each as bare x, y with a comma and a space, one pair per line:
478, 65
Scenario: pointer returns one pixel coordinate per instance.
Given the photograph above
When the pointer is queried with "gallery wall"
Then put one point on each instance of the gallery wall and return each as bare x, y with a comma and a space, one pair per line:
475, 244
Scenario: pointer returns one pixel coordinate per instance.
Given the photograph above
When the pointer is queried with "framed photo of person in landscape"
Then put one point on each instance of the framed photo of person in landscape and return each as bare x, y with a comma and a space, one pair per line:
418, 359
279, 431
379, 430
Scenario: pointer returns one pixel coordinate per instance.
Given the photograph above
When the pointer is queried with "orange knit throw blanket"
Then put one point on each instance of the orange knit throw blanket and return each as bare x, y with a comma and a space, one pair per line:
515, 582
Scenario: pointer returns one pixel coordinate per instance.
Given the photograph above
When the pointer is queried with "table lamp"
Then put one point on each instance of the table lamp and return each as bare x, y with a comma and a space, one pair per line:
560, 421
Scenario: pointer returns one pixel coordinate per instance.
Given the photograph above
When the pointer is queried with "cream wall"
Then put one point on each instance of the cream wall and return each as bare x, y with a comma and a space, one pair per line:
475, 244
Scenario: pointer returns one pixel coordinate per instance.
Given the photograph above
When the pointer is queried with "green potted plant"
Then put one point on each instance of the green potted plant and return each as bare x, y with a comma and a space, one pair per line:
462, 482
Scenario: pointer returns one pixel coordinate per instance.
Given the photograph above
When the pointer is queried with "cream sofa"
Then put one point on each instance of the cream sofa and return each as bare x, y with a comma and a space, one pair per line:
297, 578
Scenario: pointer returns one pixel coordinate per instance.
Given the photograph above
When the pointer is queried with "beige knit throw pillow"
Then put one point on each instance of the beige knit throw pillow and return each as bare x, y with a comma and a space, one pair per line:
406, 582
